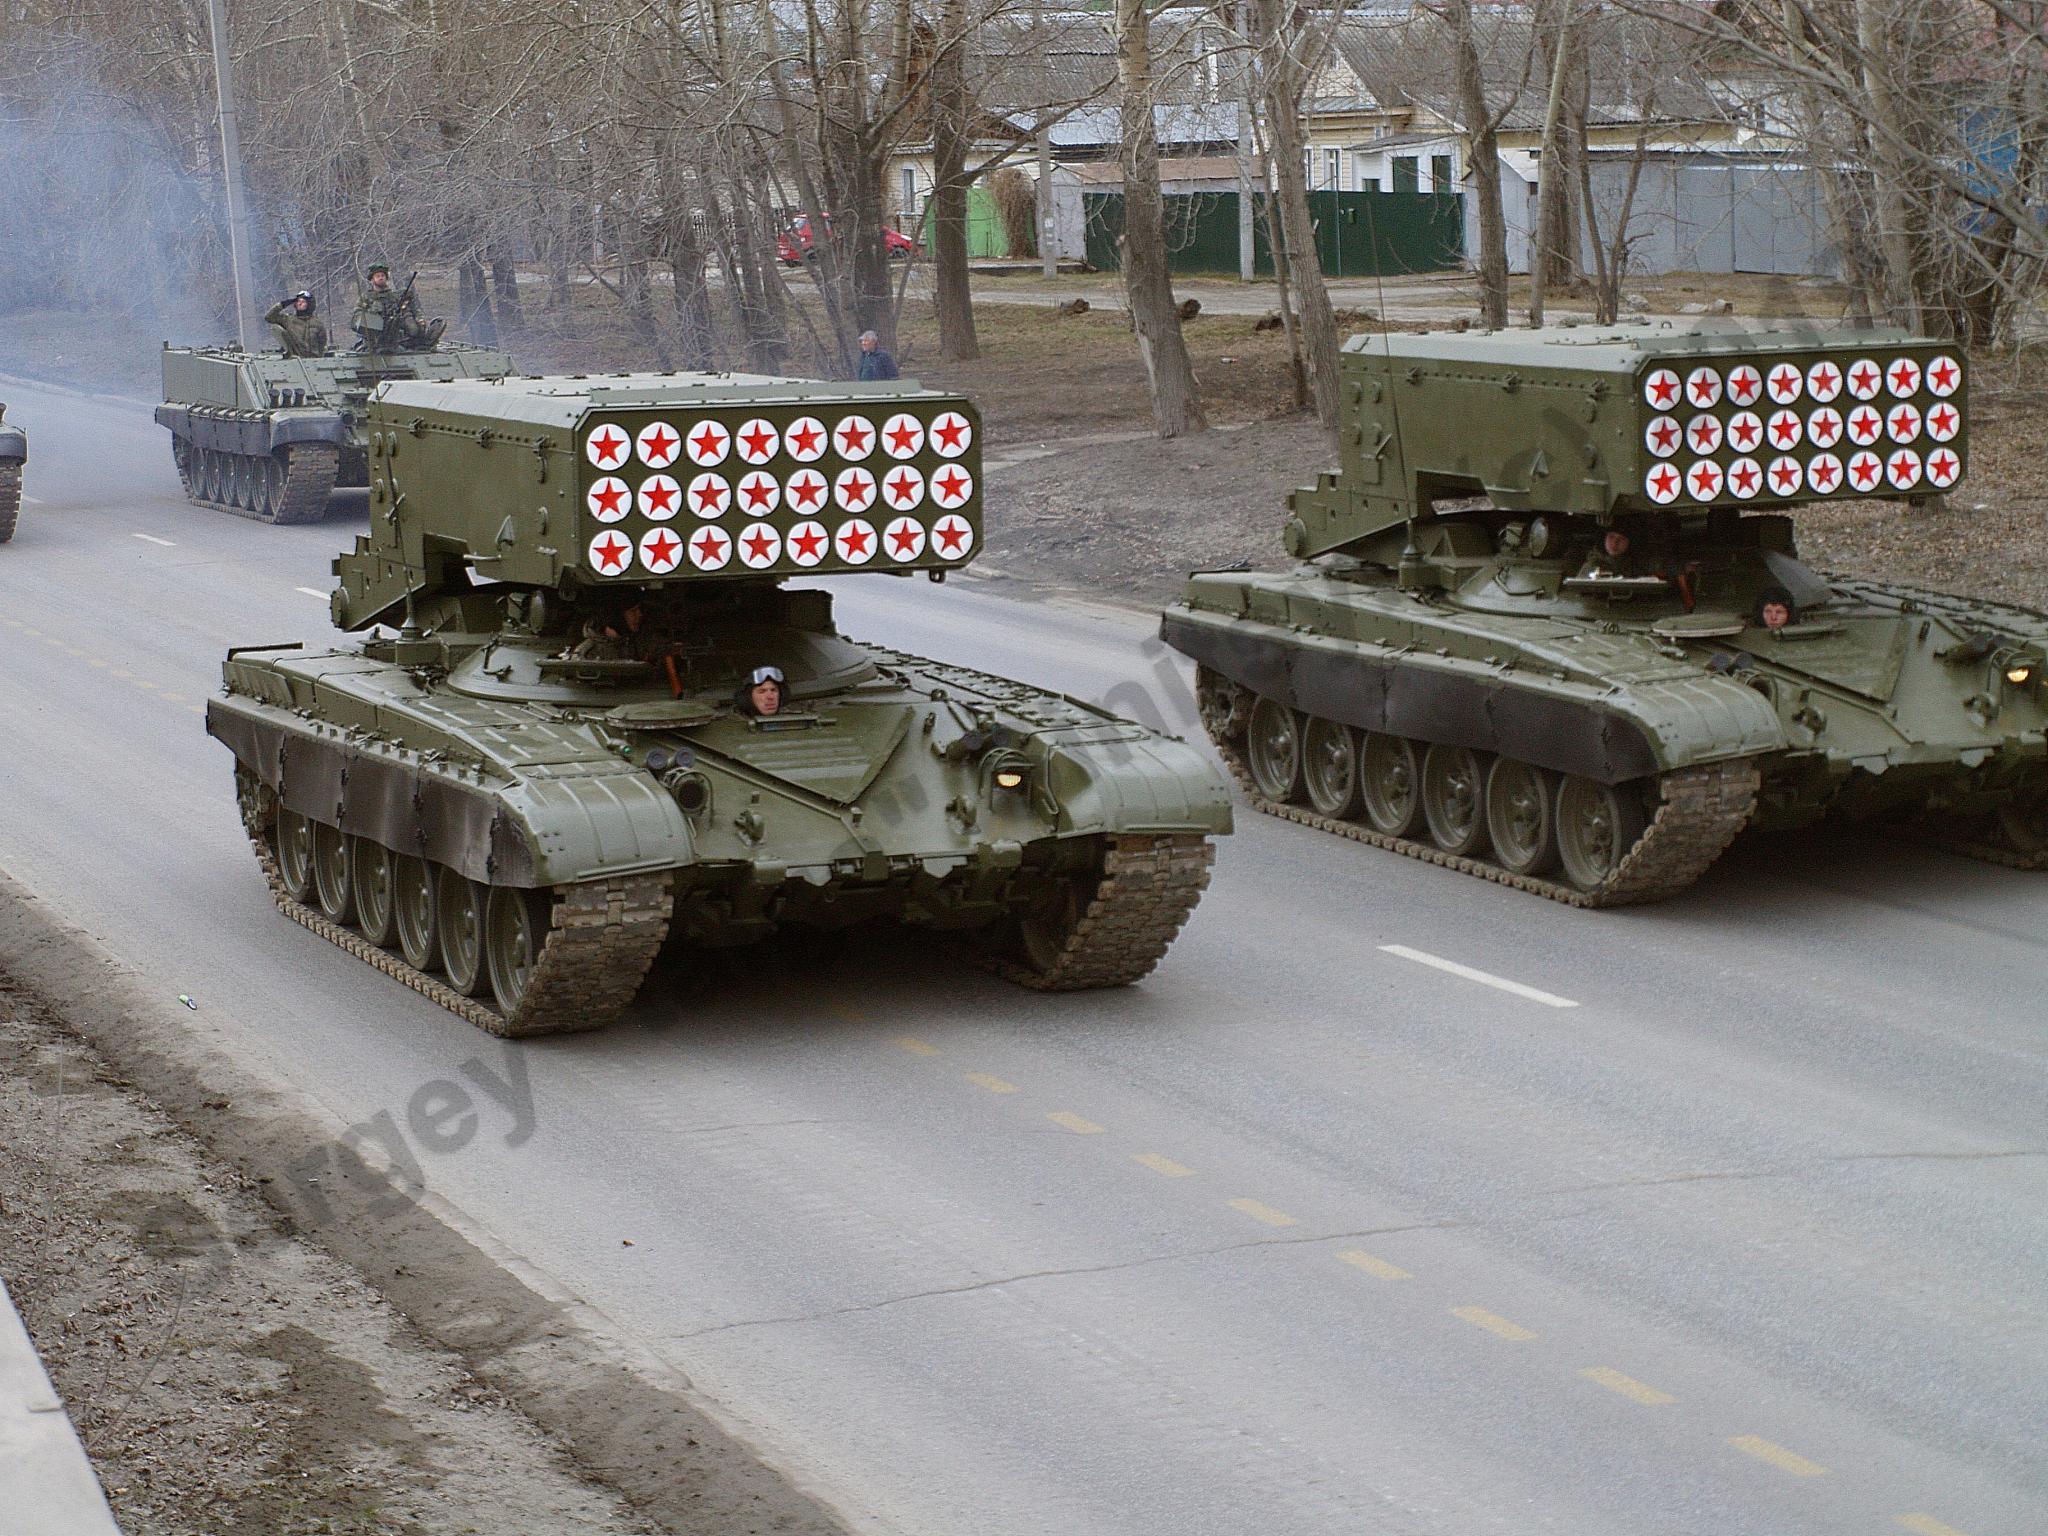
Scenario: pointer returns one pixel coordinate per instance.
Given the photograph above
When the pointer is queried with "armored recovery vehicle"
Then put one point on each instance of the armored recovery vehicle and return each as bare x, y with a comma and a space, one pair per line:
1552, 627
268, 436
542, 758
13, 455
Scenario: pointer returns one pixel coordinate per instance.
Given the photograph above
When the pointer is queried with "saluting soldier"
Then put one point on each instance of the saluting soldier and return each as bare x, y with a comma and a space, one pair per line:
303, 332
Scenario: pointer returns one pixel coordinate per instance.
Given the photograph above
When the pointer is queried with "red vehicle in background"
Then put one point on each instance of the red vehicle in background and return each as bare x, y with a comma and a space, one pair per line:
794, 244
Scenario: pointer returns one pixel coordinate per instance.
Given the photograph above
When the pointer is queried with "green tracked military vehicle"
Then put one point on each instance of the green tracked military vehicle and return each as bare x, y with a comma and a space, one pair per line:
13, 455
1552, 627
546, 756
268, 436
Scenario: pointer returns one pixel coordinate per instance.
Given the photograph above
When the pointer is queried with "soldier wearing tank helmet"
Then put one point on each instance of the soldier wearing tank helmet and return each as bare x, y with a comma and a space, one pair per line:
301, 329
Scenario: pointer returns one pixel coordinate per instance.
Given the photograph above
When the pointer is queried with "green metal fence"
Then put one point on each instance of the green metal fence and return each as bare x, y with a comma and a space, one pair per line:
1358, 234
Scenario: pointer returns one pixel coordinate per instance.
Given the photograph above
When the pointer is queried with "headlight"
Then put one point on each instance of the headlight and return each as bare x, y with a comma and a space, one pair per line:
2020, 675
1013, 778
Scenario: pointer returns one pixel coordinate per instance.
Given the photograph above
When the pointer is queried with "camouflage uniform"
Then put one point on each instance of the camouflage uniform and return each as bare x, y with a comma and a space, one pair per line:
304, 335
397, 325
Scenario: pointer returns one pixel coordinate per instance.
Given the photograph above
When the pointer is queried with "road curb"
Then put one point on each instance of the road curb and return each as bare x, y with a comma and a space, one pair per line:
49, 1481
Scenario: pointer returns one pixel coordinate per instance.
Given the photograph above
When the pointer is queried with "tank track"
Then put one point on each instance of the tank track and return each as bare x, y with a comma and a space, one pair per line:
1699, 812
1990, 850
1148, 887
310, 470
602, 936
10, 498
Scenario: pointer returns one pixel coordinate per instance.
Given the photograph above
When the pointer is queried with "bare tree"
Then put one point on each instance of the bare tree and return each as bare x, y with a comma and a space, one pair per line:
1482, 137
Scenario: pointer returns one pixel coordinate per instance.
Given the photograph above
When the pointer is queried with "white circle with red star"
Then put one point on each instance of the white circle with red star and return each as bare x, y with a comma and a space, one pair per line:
1944, 378
757, 494
1703, 433
1703, 479
1903, 379
1865, 425
855, 541
1864, 379
660, 498
1661, 388
951, 487
1703, 387
903, 539
657, 444
610, 553
902, 488
1902, 469
902, 435
1824, 380
1944, 421
1745, 430
1785, 429
806, 439
1745, 478
760, 547
808, 543
708, 444
806, 491
1944, 468
710, 495
608, 446
854, 490
952, 435
952, 538
1663, 436
710, 549
1745, 385
1902, 423
1824, 474
1866, 471
757, 441
1784, 382
1785, 475
1662, 484
1824, 427
854, 438
609, 499
661, 550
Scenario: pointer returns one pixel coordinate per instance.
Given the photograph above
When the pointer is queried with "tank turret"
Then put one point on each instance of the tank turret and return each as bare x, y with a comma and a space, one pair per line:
1552, 627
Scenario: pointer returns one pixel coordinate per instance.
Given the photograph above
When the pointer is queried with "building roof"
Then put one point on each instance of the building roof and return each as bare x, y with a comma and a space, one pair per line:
1106, 173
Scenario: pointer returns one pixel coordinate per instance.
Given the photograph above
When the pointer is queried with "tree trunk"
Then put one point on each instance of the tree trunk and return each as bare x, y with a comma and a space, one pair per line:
1553, 184
473, 303
1484, 151
1886, 172
505, 290
947, 96
1304, 265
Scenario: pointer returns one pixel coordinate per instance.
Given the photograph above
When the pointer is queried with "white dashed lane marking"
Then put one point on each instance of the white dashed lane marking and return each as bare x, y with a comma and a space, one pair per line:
312, 592
150, 538
1484, 978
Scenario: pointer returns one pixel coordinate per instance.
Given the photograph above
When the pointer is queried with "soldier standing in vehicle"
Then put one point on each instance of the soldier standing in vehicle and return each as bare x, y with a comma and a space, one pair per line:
303, 332
388, 320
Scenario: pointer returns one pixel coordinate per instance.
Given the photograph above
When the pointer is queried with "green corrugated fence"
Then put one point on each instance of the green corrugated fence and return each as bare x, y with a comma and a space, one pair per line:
1358, 234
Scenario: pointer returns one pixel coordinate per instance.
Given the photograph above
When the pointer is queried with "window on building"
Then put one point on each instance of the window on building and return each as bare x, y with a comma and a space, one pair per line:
1332, 165
1368, 174
1405, 169
909, 192
1441, 178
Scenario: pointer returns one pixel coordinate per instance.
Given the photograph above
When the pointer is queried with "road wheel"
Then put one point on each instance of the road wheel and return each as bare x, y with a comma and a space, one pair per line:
185, 457
332, 873
1273, 750
10, 497
515, 928
295, 855
1454, 798
1329, 767
415, 911
1044, 927
370, 879
1597, 824
1390, 783
459, 912
1521, 818
270, 492
2024, 821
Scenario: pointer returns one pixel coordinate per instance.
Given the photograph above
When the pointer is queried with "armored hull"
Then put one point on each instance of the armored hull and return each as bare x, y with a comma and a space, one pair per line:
13, 455
271, 437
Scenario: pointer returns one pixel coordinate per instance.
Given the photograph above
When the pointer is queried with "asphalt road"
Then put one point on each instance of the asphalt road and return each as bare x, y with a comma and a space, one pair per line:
1725, 1217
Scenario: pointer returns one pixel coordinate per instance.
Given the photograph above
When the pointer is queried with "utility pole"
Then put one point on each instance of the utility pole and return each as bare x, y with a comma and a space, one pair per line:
1246, 250
1048, 233
231, 167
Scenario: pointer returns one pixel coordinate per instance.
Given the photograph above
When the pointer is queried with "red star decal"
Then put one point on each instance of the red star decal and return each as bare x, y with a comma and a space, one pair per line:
1743, 477
1943, 375
1863, 424
1785, 476
1903, 462
1824, 475
1744, 433
610, 445
804, 438
1942, 466
1826, 379
612, 552
1664, 434
709, 546
709, 442
1706, 482
952, 534
1664, 482
609, 499
1664, 388
1785, 382
948, 431
950, 484
902, 489
807, 542
1784, 431
1904, 376
661, 445
903, 437
1863, 378
1905, 421
855, 436
1825, 427
856, 540
855, 490
758, 441
1744, 384
758, 489
1703, 391
660, 498
664, 549
758, 543
1705, 433
1942, 419
904, 538
1863, 470
710, 497
806, 490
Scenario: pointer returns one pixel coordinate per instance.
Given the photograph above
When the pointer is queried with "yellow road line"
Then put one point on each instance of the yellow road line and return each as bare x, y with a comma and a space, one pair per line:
1164, 1165
1635, 1391
1074, 1123
912, 1044
1777, 1456
1479, 1317
1927, 1525
1358, 1258
1265, 1213
992, 1084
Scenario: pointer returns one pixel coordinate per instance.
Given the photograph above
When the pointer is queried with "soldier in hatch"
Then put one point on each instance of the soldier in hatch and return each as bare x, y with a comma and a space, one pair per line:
302, 331
761, 693
388, 319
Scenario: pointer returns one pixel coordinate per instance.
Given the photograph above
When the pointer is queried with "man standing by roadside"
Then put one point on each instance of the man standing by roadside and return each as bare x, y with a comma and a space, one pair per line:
875, 363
